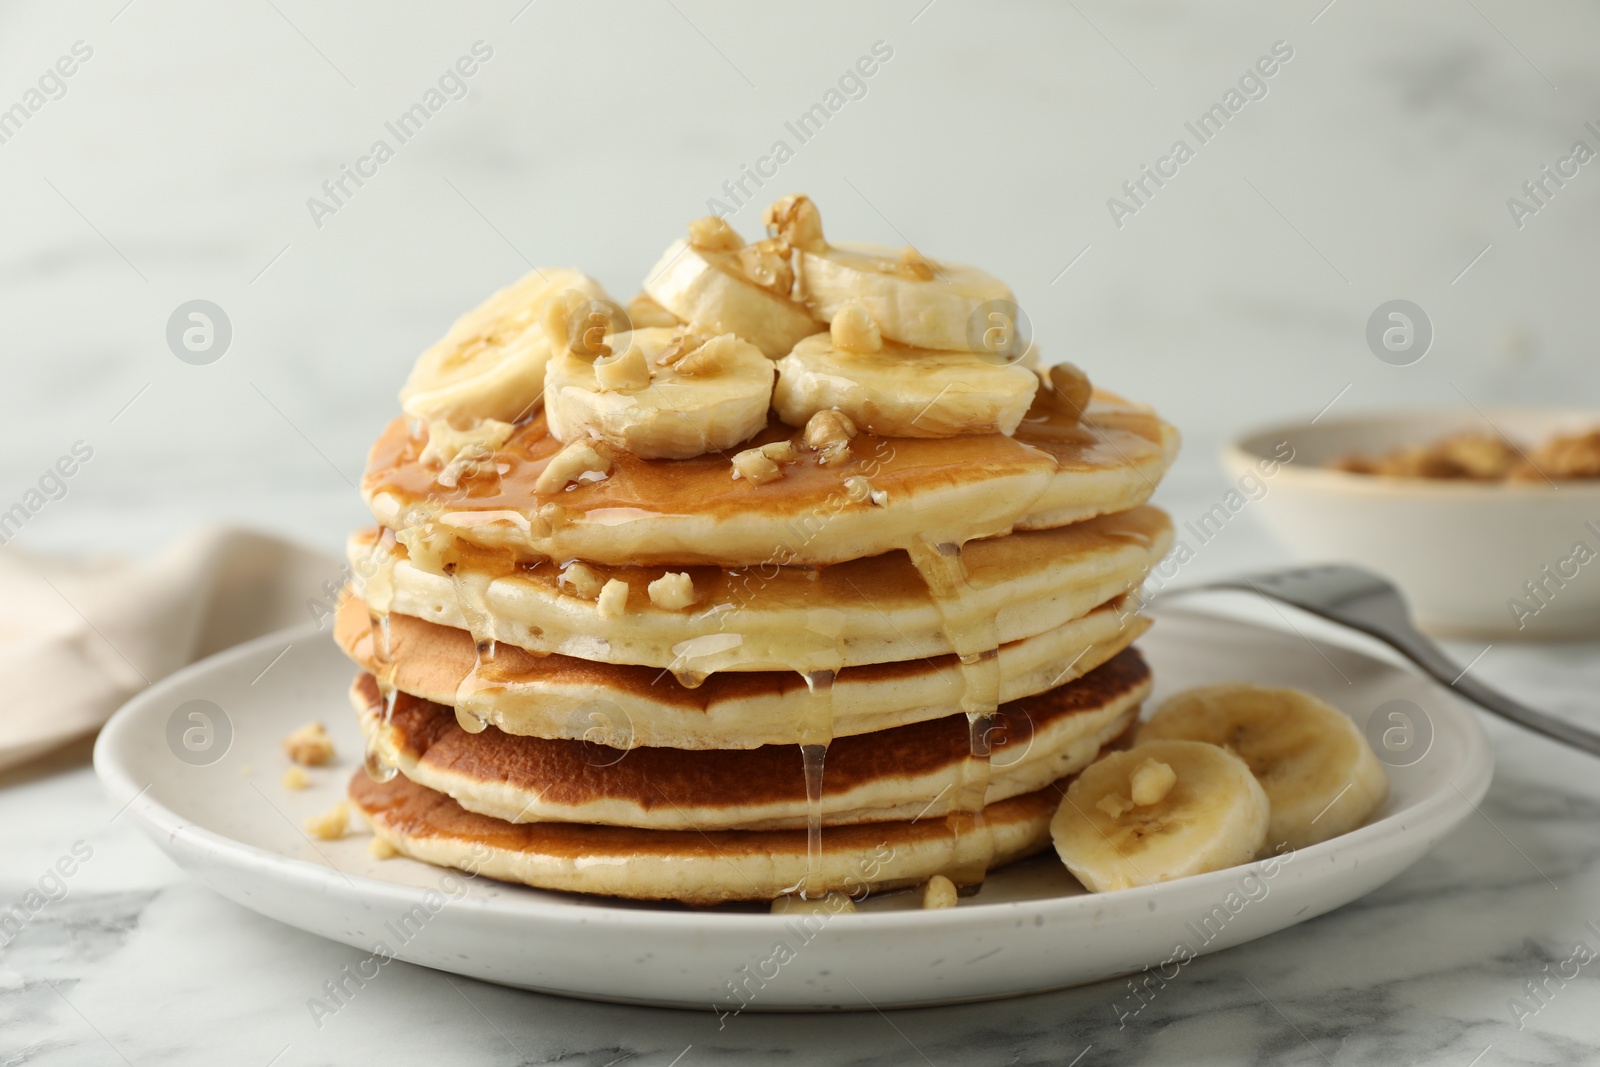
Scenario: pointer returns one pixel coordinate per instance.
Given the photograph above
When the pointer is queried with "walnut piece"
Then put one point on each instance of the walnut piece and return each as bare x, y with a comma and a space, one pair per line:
1069, 390
709, 233
463, 452
296, 777
767, 264
309, 746
580, 580
1565, 456
796, 221
711, 357
854, 329
613, 599
574, 460
829, 433
940, 892
756, 467
330, 825
381, 849
1151, 781
673, 591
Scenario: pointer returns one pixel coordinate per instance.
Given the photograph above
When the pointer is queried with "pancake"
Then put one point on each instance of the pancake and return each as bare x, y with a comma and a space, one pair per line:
863, 611
624, 706
713, 867
1052, 472
907, 772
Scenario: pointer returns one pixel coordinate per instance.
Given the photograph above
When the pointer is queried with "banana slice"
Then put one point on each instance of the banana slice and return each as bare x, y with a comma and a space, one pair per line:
1159, 811
721, 285
914, 300
1315, 765
903, 392
491, 363
661, 393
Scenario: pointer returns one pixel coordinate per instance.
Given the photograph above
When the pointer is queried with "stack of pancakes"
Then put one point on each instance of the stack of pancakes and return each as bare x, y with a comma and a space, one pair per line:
838, 690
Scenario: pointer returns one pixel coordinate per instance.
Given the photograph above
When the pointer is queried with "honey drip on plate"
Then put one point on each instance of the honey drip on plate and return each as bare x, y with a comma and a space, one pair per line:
975, 641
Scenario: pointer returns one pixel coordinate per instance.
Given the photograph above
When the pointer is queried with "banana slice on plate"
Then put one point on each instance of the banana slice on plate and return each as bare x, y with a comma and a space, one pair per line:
1316, 767
902, 392
491, 363
722, 285
661, 393
1159, 811
916, 301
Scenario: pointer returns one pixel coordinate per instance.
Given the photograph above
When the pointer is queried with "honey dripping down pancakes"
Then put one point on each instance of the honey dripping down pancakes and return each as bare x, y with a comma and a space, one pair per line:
797, 575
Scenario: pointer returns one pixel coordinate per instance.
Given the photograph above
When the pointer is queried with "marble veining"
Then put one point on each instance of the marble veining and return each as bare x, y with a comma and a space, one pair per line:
1385, 155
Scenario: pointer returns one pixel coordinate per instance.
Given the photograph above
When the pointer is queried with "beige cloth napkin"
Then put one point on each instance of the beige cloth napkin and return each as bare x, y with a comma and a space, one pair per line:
78, 638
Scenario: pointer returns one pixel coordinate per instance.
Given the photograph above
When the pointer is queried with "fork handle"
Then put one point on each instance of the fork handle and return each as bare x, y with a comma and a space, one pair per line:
1451, 676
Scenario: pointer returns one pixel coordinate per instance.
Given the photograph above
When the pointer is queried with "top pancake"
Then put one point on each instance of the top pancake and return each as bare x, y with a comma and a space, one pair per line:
1054, 471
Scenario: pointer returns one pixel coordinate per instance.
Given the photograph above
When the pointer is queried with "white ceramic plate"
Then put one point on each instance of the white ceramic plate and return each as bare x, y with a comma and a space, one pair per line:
222, 814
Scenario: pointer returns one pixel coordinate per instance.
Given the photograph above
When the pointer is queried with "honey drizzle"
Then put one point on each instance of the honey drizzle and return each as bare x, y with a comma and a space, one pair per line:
816, 734
976, 644
377, 590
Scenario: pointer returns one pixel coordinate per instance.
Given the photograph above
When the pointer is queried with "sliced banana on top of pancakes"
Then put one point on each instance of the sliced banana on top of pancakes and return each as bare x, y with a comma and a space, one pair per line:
718, 283
491, 362
916, 301
661, 393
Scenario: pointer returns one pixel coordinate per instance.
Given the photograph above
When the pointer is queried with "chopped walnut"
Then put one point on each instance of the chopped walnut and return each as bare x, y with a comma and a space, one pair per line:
548, 519
330, 825
829, 433
767, 264
756, 467
681, 345
712, 234
854, 329
309, 746
645, 312
622, 373
574, 460
914, 264
296, 778
1069, 389
1151, 781
580, 580
1564, 456
796, 220
463, 452
1479, 457
780, 451
613, 599
940, 892
673, 591
1114, 805
711, 357
381, 848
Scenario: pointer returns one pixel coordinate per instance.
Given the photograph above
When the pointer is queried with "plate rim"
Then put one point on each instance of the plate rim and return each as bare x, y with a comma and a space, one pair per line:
160, 821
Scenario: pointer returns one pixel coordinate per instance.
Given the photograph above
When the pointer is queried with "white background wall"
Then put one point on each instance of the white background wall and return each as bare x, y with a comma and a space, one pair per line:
179, 162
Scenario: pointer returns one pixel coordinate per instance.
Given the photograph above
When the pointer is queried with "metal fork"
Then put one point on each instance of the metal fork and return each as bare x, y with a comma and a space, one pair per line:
1361, 600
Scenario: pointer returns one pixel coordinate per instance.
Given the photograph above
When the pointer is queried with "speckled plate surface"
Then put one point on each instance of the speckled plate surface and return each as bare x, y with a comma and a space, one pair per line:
197, 761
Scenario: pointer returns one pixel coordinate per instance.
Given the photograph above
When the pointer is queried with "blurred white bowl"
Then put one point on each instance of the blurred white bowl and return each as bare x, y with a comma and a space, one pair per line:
1474, 559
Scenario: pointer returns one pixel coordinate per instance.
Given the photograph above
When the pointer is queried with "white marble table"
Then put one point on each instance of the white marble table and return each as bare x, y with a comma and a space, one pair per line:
178, 162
